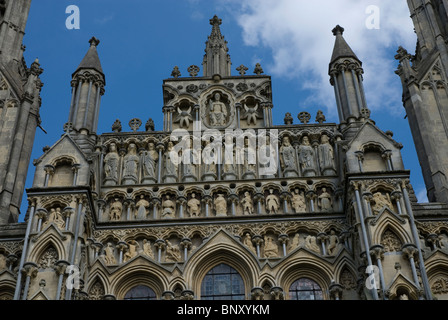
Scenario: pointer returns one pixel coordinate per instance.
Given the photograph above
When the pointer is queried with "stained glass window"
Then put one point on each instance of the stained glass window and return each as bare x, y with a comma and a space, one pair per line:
140, 293
305, 289
222, 283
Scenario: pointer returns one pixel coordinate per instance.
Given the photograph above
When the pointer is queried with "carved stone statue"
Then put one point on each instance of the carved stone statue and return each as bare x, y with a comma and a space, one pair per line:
147, 250
209, 156
109, 254
111, 161
249, 161
326, 156
189, 163
229, 159
142, 208
380, 202
311, 243
194, 206
288, 158
272, 203
298, 201
168, 208
55, 216
333, 243
116, 208
2, 262
184, 117
295, 243
132, 250
307, 158
172, 252
130, 166
270, 248
218, 112
248, 243
251, 114
247, 203
267, 160
150, 159
325, 201
170, 164
220, 205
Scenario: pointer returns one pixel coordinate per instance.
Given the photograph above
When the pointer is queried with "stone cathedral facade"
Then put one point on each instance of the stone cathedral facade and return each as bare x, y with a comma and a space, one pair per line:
222, 203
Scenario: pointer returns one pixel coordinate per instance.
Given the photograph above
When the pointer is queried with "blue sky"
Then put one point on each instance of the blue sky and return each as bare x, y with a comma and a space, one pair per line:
141, 42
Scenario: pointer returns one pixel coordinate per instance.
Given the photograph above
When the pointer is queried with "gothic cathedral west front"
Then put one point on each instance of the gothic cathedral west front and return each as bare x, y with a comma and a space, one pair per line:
223, 204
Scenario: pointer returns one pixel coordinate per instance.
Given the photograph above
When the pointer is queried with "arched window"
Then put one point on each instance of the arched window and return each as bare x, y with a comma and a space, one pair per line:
222, 283
140, 293
305, 289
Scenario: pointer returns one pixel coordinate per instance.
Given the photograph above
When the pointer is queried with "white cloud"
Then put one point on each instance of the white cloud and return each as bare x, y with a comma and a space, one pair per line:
422, 196
299, 34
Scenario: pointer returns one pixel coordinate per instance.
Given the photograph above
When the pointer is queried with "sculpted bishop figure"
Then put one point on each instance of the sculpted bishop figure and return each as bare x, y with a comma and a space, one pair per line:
218, 112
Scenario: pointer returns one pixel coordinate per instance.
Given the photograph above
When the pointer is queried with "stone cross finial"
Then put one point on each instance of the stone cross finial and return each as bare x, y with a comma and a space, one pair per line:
94, 42
258, 69
242, 69
193, 70
135, 124
304, 117
338, 30
176, 72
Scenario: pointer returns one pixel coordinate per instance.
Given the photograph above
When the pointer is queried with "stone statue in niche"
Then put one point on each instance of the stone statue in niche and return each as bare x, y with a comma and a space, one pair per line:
150, 159
247, 203
326, 156
248, 243
168, 208
172, 252
311, 243
267, 160
130, 166
296, 242
229, 161
142, 208
325, 202
189, 157
111, 161
209, 157
194, 206
380, 202
55, 216
249, 161
147, 250
333, 243
132, 251
251, 114
2, 262
109, 254
298, 201
307, 158
270, 248
170, 164
116, 208
184, 117
272, 203
218, 112
220, 205
288, 158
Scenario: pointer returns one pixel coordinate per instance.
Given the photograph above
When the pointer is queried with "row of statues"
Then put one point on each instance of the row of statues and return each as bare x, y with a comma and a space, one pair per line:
268, 248
307, 158
143, 166
194, 206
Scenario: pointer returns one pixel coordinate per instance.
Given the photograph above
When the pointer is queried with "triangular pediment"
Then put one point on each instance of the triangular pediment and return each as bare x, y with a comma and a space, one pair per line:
68, 146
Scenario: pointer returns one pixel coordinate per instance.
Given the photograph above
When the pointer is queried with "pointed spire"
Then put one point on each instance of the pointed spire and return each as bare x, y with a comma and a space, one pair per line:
216, 30
91, 59
341, 47
216, 59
